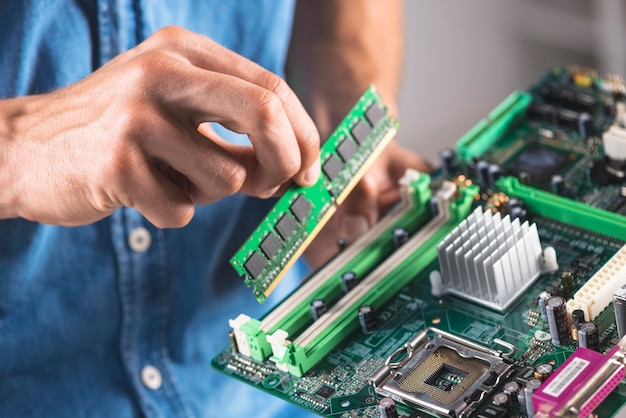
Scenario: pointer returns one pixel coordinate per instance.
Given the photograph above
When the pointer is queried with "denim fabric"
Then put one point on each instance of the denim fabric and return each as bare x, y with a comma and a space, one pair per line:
81, 312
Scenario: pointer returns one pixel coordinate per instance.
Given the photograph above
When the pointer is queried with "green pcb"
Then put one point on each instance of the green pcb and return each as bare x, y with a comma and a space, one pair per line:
301, 212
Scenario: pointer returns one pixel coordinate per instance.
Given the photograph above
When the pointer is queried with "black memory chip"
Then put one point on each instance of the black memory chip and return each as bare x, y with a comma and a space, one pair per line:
346, 149
375, 114
325, 392
255, 265
360, 131
332, 167
270, 245
301, 208
286, 226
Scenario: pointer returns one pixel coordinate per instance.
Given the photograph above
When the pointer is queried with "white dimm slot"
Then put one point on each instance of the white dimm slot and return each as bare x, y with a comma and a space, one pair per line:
597, 293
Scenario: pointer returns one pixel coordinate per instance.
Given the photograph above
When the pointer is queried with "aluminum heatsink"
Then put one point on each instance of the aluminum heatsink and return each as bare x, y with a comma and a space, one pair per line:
491, 260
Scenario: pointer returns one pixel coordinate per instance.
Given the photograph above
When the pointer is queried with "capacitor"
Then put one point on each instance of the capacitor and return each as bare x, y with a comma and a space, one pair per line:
578, 317
556, 312
543, 371
400, 236
495, 172
514, 202
531, 386
482, 172
525, 178
387, 408
619, 305
541, 301
557, 184
501, 399
448, 160
342, 243
589, 336
318, 308
518, 212
367, 318
349, 280
512, 389
567, 281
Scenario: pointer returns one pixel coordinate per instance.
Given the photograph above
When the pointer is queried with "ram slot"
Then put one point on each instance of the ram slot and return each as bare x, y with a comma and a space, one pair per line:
360, 257
386, 280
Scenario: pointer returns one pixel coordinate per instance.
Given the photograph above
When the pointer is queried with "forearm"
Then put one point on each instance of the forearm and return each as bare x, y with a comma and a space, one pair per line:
338, 48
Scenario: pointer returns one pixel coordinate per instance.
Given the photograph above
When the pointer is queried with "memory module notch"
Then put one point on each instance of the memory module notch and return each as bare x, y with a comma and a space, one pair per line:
300, 214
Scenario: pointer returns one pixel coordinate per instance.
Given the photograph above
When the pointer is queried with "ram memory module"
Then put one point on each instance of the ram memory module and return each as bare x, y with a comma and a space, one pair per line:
301, 212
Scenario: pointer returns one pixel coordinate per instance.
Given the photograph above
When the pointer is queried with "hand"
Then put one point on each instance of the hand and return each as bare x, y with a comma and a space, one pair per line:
135, 134
377, 191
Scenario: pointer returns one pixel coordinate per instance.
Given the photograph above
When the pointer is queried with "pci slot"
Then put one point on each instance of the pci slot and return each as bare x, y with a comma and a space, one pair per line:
386, 280
562, 209
487, 132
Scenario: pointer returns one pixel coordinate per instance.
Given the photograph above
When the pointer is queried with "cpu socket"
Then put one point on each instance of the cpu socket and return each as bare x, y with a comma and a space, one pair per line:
442, 373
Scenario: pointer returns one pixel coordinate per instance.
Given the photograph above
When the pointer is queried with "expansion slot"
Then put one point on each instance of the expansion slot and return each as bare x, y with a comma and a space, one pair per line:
316, 341
301, 212
487, 132
361, 257
561, 209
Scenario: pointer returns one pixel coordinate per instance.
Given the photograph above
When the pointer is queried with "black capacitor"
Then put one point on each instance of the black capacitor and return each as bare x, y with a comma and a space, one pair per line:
482, 172
525, 178
557, 184
578, 317
501, 399
589, 336
448, 160
342, 243
541, 301
567, 281
495, 172
367, 318
556, 311
349, 280
515, 202
400, 236
318, 308
387, 408
518, 212
512, 389
619, 305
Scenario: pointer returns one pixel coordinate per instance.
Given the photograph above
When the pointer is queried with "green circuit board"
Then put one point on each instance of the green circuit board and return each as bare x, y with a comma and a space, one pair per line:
446, 339
301, 212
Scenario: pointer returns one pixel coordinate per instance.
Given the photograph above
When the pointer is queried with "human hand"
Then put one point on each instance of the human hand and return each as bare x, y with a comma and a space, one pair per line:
377, 191
135, 133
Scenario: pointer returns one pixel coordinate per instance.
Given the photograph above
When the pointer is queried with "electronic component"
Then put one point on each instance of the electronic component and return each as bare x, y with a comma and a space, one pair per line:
589, 336
442, 373
614, 141
349, 280
619, 305
541, 301
597, 292
581, 383
556, 311
543, 371
301, 212
318, 308
325, 392
531, 386
367, 319
400, 236
512, 389
539, 162
448, 160
490, 260
387, 408
578, 317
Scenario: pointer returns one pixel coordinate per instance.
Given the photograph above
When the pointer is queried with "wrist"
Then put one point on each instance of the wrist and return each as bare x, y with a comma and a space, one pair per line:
10, 119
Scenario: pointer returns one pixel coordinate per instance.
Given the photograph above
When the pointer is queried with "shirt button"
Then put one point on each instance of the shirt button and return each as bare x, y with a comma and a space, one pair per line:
151, 377
139, 239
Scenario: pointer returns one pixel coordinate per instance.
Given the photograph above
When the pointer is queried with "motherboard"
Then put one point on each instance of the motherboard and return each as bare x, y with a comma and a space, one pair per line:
495, 288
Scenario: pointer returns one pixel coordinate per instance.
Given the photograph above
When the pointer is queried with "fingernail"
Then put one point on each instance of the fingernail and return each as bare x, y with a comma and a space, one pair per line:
353, 226
312, 174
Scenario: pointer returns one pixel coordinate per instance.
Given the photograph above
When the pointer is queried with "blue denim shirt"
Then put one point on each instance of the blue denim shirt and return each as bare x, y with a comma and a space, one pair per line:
119, 318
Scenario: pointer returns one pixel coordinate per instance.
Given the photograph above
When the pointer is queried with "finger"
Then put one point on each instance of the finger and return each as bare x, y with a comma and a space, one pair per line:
208, 55
196, 164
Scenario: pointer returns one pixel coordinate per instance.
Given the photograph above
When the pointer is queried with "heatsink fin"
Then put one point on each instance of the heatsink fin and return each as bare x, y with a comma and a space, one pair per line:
491, 260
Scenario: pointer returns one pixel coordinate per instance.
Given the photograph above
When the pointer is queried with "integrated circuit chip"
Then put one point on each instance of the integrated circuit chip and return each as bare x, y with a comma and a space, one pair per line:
539, 161
270, 245
325, 392
346, 149
301, 208
375, 114
332, 167
255, 264
360, 131
286, 226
